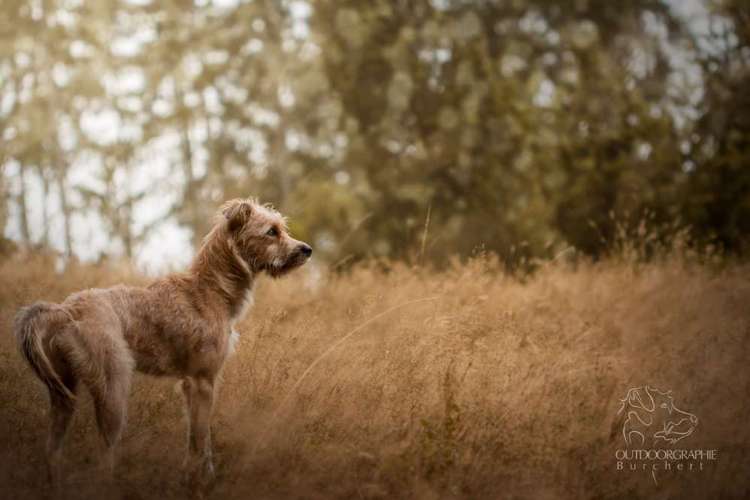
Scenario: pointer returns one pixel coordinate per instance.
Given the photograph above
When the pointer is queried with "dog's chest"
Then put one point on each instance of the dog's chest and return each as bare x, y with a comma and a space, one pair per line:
234, 338
234, 335
245, 304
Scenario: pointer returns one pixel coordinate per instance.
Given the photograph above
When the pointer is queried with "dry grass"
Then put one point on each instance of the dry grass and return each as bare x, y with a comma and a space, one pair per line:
498, 388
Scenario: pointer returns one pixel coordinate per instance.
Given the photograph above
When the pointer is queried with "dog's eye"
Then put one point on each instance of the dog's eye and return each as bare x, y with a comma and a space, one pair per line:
273, 232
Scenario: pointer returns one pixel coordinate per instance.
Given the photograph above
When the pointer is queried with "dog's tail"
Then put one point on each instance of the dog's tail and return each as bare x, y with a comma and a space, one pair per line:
32, 327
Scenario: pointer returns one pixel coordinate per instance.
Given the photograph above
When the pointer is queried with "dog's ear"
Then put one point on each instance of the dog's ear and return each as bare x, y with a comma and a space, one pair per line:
237, 213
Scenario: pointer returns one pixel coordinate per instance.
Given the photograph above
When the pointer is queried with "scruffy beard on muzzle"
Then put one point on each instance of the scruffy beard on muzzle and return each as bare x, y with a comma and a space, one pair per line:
279, 267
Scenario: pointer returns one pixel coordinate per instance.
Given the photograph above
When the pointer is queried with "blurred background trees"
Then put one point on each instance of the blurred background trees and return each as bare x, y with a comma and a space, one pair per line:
518, 126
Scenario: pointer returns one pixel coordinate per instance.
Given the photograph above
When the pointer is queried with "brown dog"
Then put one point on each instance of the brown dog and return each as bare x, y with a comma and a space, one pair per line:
181, 325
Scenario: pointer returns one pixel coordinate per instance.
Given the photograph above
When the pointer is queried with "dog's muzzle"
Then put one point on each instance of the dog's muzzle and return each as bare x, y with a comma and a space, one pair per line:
305, 250
296, 258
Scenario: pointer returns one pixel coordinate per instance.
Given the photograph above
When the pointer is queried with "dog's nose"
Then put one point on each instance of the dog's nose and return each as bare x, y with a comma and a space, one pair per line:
306, 250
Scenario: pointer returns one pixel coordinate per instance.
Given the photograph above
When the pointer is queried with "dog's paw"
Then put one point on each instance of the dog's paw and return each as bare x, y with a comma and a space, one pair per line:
199, 475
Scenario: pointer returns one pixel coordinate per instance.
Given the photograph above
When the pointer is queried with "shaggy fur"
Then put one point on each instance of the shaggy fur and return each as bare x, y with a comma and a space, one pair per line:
181, 326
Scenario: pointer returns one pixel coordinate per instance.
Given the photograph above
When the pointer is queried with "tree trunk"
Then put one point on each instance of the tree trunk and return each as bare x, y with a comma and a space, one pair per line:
4, 203
44, 240
189, 210
126, 228
25, 232
61, 176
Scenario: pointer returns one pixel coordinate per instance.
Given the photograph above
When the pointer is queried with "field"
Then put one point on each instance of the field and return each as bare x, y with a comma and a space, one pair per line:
396, 381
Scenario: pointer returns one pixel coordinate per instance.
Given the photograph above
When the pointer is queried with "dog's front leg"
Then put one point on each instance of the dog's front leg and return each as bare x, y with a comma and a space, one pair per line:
199, 396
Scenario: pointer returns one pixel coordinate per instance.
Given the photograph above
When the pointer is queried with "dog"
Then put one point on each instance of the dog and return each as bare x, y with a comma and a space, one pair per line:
180, 326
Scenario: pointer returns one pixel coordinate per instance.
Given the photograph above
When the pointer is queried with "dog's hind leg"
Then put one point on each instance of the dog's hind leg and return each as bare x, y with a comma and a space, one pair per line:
62, 405
105, 366
61, 412
111, 414
111, 401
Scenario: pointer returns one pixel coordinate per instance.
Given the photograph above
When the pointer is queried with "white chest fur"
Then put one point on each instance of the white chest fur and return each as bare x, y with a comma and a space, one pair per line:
234, 336
247, 302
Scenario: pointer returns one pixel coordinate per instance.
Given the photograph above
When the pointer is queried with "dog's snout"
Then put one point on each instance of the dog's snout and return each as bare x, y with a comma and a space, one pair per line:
305, 249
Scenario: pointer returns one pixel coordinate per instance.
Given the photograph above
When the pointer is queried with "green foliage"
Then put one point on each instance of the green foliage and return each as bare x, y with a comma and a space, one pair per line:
521, 127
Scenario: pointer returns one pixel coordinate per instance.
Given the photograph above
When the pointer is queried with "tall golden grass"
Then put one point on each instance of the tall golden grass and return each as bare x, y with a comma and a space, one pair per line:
495, 387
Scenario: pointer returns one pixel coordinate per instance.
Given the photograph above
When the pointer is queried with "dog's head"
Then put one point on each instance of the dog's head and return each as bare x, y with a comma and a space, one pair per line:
652, 413
261, 237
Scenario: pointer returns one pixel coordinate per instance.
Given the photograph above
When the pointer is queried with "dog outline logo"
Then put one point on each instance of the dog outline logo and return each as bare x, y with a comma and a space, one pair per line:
651, 414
